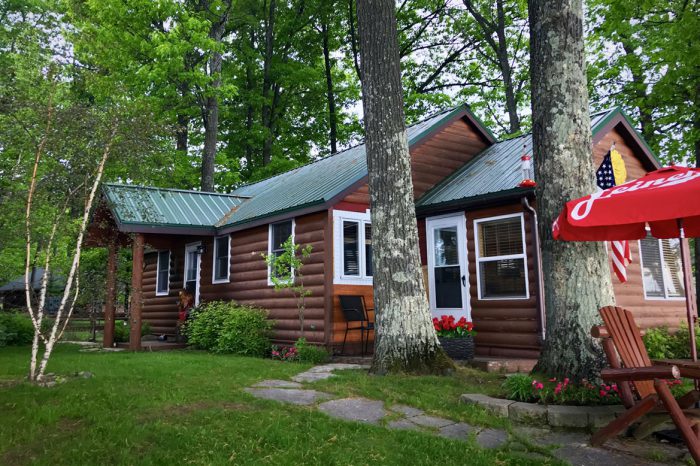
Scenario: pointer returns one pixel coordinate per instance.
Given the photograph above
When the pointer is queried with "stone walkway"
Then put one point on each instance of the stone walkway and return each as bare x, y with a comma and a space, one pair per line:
568, 446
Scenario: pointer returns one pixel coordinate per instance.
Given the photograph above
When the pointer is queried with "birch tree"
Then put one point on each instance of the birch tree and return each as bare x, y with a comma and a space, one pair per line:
405, 338
576, 274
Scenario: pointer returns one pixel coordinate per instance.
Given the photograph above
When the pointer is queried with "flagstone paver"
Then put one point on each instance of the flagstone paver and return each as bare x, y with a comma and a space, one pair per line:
407, 411
459, 431
312, 376
289, 395
278, 384
355, 409
570, 446
491, 438
402, 424
431, 421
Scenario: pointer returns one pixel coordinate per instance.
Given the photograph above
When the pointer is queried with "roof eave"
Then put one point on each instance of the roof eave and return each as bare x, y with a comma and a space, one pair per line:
616, 117
482, 200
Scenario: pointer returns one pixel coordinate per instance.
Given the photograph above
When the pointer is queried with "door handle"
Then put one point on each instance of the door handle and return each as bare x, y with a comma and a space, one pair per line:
464, 280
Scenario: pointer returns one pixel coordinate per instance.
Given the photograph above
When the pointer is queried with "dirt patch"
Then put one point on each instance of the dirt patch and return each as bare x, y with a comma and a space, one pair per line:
53, 434
8, 383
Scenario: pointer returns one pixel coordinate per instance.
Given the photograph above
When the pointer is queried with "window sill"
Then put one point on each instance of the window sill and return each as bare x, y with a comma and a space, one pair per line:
163, 293
221, 281
510, 298
352, 281
646, 298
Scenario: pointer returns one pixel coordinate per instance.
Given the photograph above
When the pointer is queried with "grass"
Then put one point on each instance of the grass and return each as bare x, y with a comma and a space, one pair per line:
189, 407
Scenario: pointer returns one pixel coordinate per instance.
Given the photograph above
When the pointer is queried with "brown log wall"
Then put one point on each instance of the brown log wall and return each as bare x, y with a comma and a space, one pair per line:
248, 279
160, 312
505, 327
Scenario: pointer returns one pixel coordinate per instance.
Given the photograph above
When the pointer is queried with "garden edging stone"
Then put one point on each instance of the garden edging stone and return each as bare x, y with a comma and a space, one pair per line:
553, 415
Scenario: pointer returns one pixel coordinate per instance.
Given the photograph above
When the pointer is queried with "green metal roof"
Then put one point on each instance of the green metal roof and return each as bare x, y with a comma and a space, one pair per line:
154, 207
320, 181
495, 170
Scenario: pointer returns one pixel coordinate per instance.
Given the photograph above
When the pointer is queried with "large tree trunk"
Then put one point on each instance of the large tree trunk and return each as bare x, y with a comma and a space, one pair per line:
576, 274
405, 337
507, 70
266, 113
330, 95
210, 114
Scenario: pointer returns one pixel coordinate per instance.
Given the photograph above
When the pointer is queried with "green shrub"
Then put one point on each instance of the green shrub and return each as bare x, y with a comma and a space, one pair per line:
518, 387
310, 353
229, 327
663, 344
122, 330
15, 329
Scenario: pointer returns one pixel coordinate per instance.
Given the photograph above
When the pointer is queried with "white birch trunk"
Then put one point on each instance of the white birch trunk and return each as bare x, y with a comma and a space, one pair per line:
75, 265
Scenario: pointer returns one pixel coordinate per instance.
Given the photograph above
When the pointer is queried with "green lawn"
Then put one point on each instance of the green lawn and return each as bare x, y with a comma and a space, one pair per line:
190, 407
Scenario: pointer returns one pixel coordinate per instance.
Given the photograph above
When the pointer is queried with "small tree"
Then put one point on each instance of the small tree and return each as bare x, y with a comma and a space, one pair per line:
285, 273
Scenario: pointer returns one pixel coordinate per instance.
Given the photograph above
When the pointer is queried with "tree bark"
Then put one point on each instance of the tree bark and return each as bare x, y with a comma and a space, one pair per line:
330, 95
506, 70
110, 293
267, 81
405, 337
500, 48
136, 293
353, 39
576, 274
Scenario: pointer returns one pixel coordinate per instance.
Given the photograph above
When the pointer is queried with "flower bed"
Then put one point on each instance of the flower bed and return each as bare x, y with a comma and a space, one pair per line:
553, 391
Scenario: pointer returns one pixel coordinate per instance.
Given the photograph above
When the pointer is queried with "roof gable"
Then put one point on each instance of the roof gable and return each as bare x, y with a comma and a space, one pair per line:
321, 182
496, 171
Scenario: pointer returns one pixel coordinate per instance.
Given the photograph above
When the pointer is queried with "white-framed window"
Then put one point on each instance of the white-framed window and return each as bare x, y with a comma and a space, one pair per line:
501, 260
163, 273
221, 260
193, 268
278, 233
353, 248
662, 273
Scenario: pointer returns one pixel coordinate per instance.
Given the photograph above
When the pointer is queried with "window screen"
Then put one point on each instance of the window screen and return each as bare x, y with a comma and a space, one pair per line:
221, 258
163, 273
501, 259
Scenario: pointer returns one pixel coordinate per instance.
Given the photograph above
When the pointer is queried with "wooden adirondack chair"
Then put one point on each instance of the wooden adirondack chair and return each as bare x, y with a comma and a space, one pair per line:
633, 369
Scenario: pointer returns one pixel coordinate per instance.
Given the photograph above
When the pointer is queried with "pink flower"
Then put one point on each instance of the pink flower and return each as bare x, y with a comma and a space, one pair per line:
607, 388
566, 381
553, 379
603, 393
539, 386
534, 383
558, 388
614, 387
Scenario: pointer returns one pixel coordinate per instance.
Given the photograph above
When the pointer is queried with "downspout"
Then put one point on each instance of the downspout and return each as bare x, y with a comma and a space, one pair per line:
538, 266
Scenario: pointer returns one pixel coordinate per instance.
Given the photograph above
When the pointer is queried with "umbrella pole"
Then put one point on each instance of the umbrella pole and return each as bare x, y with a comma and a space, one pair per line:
688, 285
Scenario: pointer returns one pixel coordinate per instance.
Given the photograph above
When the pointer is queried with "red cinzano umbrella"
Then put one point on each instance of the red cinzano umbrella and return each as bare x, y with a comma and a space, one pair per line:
666, 200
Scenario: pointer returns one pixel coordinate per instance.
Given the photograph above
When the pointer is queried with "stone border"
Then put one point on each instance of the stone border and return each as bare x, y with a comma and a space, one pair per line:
553, 415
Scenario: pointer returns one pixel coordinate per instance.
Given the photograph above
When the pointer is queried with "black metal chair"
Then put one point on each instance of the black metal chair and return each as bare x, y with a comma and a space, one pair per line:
355, 310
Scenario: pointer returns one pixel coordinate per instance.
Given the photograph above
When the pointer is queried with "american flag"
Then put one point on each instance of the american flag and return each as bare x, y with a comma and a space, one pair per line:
621, 255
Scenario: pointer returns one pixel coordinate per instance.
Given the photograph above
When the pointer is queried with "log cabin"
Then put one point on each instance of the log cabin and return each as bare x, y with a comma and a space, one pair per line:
477, 232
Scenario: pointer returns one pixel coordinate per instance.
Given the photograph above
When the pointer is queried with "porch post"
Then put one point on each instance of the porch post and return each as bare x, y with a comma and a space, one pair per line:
110, 293
136, 293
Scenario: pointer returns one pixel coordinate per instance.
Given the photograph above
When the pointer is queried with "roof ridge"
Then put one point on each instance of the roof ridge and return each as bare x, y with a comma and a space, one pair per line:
422, 120
189, 191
